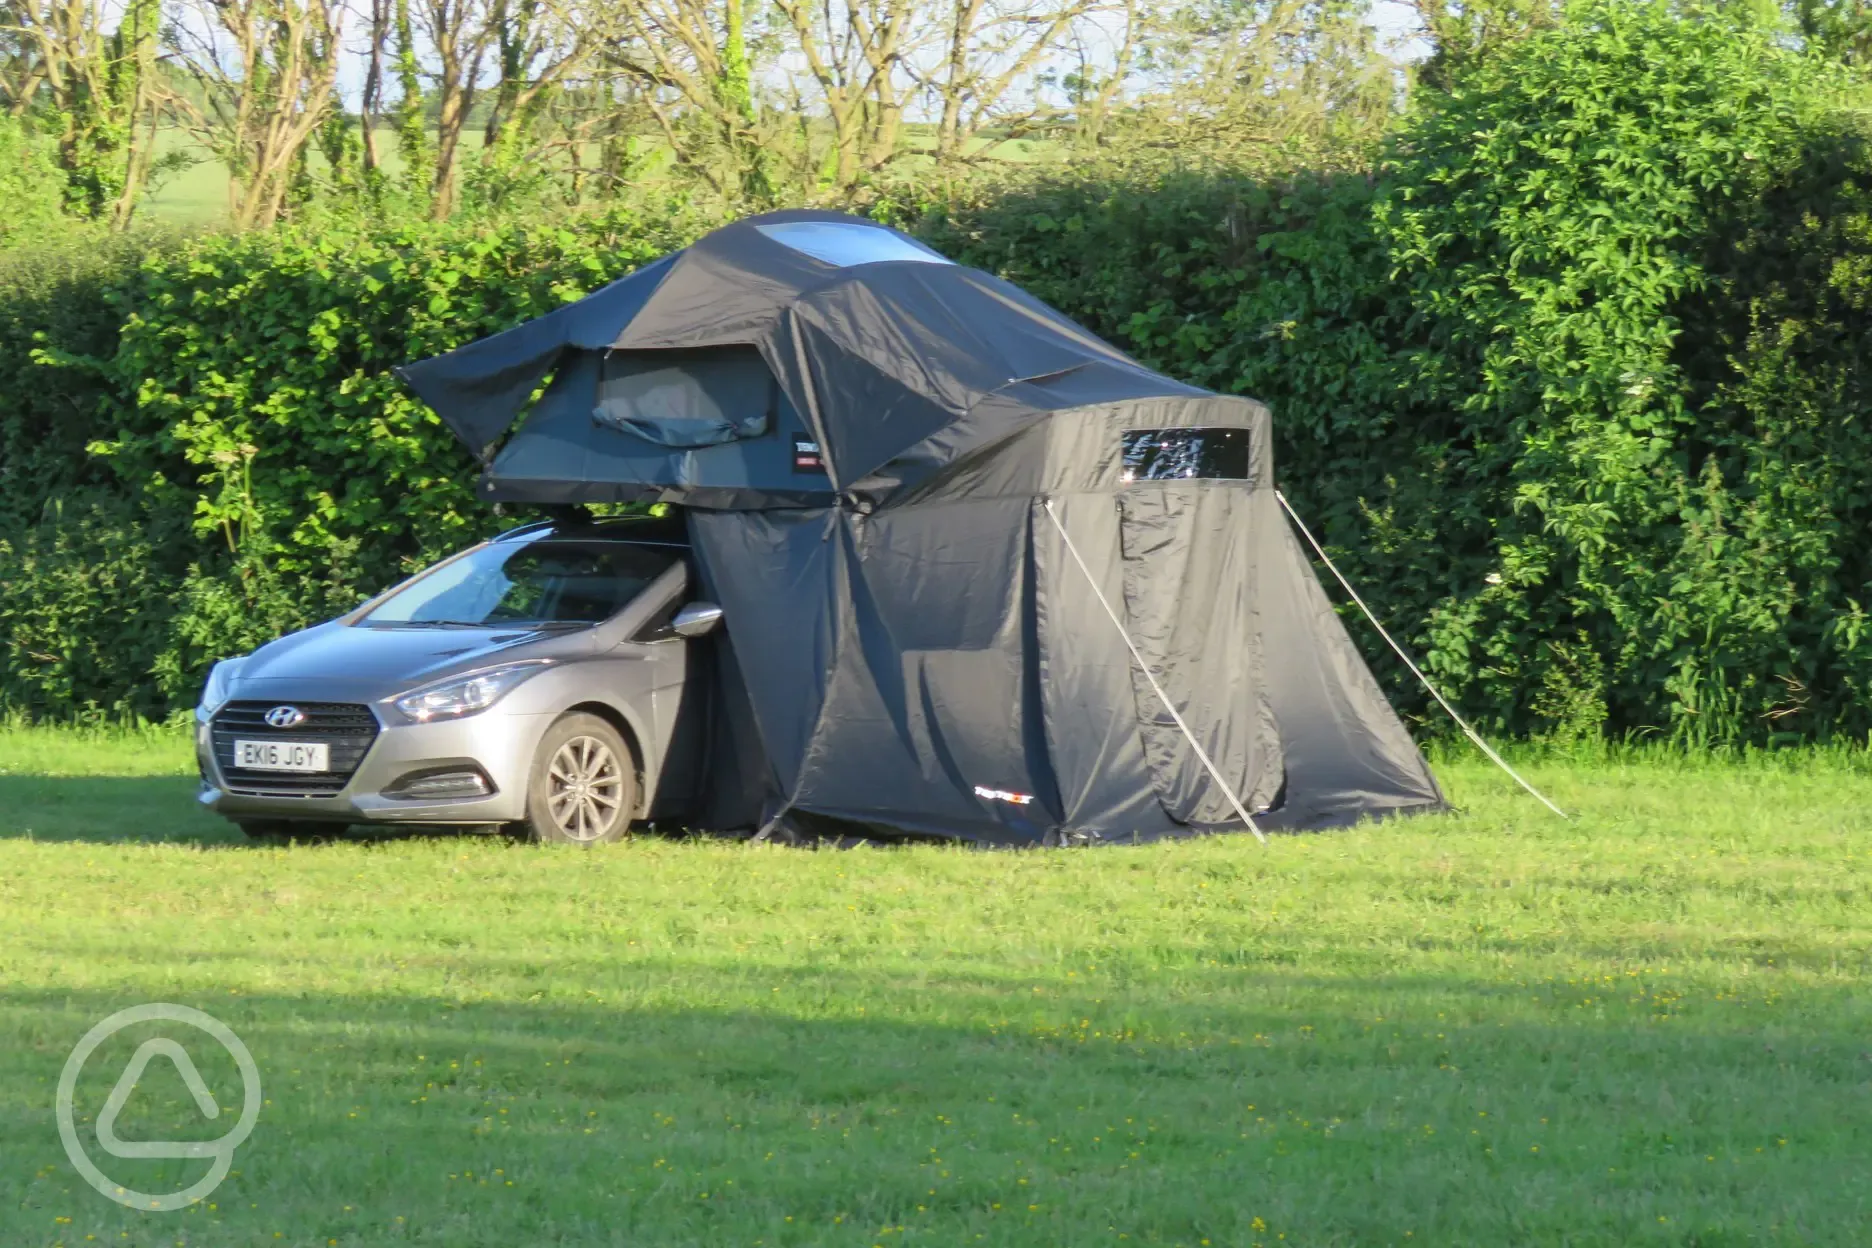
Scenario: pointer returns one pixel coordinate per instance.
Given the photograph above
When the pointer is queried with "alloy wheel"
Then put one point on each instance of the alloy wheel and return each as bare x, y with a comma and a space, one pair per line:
585, 793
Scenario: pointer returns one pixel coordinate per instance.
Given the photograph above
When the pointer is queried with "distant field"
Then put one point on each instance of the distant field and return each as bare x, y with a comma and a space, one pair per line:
195, 196
1648, 1026
198, 194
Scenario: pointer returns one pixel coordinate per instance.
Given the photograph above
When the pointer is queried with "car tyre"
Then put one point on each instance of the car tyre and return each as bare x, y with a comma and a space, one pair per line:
583, 786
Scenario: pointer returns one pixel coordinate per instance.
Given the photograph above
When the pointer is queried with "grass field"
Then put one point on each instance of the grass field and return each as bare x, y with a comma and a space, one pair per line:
1649, 1026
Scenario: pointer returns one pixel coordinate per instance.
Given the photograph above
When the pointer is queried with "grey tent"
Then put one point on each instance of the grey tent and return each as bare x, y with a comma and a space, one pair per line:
971, 555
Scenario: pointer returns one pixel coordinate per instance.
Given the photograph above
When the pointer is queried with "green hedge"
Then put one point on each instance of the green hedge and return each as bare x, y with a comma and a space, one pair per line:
31, 186
1573, 382
224, 407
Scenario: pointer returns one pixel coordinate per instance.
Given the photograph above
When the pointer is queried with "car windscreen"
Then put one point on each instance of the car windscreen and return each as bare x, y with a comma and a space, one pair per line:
553, 581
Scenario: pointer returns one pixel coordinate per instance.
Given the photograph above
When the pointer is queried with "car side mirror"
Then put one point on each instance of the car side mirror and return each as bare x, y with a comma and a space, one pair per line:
696, 619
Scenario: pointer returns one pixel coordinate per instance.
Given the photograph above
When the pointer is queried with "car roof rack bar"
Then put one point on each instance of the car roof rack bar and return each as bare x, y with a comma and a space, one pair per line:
534, 527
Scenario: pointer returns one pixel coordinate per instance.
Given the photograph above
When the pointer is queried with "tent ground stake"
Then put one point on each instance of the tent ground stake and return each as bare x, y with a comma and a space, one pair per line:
1416, 671
1138, 658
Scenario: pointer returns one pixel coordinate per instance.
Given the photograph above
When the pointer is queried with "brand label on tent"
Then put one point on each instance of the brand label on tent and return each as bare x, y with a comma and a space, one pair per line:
1003, 795
806, 457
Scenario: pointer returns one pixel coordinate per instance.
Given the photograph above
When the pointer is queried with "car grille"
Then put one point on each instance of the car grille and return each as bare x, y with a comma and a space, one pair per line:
348, 727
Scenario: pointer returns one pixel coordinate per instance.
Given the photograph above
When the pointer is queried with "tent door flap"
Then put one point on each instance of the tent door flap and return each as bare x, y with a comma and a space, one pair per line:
1189, 602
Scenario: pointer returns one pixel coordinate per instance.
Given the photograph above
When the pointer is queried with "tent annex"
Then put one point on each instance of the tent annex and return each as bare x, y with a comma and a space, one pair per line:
984, 575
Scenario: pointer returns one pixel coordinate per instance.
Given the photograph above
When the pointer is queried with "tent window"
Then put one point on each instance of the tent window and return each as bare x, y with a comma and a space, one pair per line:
846, 244
1185, 454
687, 399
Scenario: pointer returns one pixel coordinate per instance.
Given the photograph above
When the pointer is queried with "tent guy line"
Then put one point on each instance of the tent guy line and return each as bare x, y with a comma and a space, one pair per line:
1416, 671
1228, 790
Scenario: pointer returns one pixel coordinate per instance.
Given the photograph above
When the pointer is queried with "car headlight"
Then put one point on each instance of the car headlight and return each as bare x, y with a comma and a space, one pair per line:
465, 695
220, 682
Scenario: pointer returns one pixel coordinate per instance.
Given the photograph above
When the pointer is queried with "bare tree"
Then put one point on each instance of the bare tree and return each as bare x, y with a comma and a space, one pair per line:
970, 66
990, 48
763, 99
539, 47
267, 71
88, 71
531, 44
838, 63
1252, 77
1097, 70
23, 31
459, 34
371, 101
848, 82
852, 55
691, 61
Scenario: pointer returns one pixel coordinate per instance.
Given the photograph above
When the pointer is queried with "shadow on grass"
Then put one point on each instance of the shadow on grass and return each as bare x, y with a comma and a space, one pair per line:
118, 810
808, 1123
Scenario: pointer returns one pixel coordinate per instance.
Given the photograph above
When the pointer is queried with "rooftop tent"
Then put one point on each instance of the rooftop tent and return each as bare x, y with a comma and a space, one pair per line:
985, 576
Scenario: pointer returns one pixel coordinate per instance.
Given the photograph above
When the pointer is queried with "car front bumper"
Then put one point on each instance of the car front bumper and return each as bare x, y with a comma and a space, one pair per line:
499, 745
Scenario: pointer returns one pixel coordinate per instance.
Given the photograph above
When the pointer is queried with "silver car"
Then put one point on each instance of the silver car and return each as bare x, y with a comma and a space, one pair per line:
534, 680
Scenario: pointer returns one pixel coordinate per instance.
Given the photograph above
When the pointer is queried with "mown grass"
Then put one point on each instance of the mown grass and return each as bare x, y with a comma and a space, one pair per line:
1647, 1026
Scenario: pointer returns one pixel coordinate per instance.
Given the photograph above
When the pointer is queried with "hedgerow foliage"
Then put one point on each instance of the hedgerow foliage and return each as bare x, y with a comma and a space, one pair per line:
31, 186
228, 425
1630, 365
1572, 382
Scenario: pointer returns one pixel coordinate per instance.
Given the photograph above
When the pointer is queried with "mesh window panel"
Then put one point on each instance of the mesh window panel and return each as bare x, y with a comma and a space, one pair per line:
1185, 454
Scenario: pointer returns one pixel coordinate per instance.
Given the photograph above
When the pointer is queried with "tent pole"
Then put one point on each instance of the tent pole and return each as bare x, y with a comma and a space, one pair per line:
1163, 697
1416, 671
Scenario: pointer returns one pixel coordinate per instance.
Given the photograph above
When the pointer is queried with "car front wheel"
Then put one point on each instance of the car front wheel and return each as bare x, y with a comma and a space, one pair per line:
583, 788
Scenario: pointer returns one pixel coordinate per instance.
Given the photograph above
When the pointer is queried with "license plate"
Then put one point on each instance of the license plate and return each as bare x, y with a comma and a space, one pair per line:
282, 756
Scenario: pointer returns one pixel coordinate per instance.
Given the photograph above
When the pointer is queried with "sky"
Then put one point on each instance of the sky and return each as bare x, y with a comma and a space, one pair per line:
1395, 20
